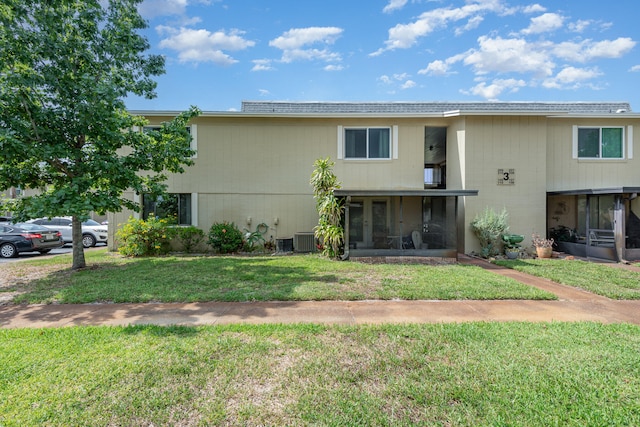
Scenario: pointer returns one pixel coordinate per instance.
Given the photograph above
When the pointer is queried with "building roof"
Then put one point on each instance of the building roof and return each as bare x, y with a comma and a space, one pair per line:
429, 108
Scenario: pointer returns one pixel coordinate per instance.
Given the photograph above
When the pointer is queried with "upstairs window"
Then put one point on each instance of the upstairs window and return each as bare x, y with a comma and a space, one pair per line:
599, 143
367, 143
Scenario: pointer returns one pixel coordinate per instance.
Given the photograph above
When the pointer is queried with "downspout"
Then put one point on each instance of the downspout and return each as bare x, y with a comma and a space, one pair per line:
619, 229
345, 255
401, 221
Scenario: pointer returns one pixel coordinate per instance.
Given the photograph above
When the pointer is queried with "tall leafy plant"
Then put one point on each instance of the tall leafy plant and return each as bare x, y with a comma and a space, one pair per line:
489, 227
329, 230
66, 68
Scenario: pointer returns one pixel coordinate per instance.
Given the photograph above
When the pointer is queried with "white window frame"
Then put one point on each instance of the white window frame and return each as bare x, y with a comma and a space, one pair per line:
393, 149
627, 145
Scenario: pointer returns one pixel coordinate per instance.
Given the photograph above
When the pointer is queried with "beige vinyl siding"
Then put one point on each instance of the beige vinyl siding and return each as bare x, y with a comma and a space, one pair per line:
494, 143
566, 173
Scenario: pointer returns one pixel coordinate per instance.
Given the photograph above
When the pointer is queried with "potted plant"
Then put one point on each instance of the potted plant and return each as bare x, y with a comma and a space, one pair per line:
512, 245
544, 247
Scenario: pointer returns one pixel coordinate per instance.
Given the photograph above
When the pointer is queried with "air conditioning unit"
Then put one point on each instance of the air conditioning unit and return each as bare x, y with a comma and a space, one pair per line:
304, 242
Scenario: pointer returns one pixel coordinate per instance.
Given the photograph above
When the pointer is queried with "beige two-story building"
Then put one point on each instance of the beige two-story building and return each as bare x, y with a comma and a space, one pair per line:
414, 175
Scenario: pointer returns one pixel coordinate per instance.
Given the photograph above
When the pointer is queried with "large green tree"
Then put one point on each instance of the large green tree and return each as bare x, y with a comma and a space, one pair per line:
66, 67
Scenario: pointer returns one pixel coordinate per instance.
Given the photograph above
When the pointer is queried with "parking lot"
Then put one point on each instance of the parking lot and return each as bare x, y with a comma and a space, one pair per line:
34, 255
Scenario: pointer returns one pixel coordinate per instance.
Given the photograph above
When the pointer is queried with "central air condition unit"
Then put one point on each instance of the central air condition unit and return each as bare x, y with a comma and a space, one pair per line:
304, 242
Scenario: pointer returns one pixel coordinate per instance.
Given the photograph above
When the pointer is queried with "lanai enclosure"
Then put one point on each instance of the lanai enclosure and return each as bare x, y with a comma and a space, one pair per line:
600, 223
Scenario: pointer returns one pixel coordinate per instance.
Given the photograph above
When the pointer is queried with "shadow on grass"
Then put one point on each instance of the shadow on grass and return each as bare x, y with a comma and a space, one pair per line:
179, 280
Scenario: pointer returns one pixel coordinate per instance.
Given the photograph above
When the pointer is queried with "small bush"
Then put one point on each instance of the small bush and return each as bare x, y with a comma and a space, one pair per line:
225, 237
488, 228
144, 238
189, 237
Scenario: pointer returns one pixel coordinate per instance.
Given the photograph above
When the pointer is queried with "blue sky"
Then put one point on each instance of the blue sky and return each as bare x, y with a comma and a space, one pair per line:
221, 52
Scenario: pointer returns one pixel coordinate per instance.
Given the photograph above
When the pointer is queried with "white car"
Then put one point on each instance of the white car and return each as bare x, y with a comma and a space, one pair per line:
92, 231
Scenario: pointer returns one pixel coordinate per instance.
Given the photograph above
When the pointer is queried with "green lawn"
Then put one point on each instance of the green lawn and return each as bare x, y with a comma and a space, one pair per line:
112, 278
474, 374
602, 279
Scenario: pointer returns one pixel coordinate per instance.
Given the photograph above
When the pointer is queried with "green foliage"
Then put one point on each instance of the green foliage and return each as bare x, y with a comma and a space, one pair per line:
225, 237
66, 67
190, 237
254, 240
144, 238
329, 230
488, 228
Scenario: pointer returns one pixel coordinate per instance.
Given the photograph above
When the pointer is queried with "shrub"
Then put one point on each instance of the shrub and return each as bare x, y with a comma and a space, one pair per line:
488, 228
225, 237
144, 238
189, 237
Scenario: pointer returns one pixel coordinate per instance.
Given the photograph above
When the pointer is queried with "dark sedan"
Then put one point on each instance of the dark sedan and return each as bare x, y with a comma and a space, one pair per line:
21, 237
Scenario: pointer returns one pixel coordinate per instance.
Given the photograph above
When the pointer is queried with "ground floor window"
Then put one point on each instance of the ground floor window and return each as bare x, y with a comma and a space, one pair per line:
175, 206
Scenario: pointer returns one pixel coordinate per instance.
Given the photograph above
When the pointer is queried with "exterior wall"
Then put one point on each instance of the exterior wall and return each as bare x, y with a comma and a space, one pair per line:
566, 173
259, 168
507, 142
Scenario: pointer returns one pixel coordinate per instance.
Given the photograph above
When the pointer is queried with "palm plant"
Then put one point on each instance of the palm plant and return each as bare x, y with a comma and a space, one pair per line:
329, 230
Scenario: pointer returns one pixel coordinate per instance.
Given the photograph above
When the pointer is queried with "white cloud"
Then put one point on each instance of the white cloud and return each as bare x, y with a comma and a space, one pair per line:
262, 65
534, 8
571, 77
403, 36
635, 69
202, 45
298, 37
436, 68
493, 90
402, 79
509, 55
588, 50
408, 84
294, 44
151, 8
334, 68
579, 26
264, 92
544, 23
472, 24
394, 5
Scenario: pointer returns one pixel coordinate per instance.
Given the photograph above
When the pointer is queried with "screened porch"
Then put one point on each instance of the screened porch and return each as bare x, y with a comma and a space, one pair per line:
402, 223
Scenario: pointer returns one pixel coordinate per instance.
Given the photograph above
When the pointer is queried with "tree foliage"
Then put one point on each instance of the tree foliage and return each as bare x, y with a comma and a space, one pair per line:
329, 230
66, 67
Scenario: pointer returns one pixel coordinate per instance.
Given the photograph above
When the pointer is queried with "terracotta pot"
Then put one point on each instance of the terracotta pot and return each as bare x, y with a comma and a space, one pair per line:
544, 252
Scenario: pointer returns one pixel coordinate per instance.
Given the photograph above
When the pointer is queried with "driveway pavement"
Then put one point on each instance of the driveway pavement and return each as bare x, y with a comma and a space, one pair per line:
573, 305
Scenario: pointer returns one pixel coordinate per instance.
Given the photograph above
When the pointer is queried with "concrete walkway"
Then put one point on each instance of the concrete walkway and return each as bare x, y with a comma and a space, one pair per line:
573, 305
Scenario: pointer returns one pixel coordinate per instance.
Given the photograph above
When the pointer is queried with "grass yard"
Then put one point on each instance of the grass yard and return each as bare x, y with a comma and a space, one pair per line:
516, 374
112, 278
602, 279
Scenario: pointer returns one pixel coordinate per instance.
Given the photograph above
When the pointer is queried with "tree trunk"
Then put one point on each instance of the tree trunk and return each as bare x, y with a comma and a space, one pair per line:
78, 249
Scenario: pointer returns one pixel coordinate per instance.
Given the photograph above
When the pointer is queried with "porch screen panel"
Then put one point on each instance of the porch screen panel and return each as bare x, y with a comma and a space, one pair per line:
356, 222
589, 142
612, 143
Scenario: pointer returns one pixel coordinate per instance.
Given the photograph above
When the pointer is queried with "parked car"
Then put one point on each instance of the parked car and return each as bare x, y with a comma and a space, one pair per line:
92, 231
22, 237
5, 220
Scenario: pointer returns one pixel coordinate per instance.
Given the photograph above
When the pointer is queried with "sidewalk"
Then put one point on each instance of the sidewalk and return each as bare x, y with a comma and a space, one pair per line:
573, 305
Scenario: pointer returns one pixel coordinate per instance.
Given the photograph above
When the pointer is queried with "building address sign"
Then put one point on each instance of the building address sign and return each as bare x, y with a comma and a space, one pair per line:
506, 176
